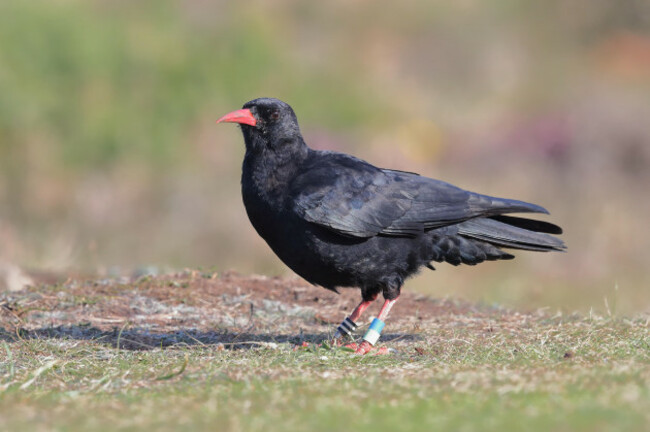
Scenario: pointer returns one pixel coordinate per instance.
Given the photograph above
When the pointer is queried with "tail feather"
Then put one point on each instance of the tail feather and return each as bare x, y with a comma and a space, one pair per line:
529, 224
514, 232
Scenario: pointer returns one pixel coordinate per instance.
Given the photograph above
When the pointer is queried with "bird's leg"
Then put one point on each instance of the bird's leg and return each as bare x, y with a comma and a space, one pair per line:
348, 326
374, 331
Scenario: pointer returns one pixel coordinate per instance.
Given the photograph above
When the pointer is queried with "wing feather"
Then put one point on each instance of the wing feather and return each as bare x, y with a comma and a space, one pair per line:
354, 198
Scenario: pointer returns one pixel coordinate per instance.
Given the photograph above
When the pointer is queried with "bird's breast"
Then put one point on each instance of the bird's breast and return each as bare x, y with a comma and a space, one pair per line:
264, 207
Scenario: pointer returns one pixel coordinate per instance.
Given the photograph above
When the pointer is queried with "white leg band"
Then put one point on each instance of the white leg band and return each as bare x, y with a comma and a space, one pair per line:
374, 331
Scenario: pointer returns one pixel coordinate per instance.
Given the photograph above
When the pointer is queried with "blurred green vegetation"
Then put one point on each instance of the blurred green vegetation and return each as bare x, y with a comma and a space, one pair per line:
106, 81
109, 155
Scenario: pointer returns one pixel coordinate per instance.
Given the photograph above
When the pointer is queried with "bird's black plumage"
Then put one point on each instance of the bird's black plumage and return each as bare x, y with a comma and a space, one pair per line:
339, 221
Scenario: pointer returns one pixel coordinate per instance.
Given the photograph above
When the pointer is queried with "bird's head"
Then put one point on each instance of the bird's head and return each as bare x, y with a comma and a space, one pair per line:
267, 124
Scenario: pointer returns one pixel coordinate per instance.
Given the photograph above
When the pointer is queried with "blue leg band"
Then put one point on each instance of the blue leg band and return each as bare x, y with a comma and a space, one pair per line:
374, 331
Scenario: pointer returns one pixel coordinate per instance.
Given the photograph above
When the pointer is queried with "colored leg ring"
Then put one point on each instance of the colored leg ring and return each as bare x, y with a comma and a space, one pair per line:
374, 331
347, 327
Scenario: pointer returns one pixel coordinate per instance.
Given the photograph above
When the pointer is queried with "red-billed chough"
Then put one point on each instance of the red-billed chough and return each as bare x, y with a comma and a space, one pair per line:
339, 221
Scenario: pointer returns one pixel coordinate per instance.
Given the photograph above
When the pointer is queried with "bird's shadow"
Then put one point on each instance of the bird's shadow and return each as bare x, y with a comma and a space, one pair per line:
142, 339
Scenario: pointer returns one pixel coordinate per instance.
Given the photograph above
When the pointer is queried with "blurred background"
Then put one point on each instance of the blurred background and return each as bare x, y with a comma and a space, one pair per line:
111, 161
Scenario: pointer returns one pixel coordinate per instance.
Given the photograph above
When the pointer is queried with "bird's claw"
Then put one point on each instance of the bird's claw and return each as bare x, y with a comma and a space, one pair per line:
360, 349
365, 348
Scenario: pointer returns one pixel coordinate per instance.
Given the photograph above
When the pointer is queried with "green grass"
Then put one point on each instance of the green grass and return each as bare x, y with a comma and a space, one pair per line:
551, 374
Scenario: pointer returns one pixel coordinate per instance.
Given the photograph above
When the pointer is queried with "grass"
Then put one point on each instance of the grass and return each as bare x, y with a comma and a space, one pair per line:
100, 101
501, 371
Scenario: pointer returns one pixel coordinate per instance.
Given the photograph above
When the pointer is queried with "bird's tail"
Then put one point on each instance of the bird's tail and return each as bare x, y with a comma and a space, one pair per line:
514, 232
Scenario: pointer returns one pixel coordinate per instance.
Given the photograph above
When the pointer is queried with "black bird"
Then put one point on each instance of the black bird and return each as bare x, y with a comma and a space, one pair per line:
339, 221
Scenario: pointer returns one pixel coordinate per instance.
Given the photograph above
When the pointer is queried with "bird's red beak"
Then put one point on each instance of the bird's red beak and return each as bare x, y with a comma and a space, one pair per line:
242, 116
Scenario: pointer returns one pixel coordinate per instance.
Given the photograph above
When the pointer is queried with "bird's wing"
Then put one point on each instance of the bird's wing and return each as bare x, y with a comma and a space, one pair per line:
356, 199
347, 195
436, 204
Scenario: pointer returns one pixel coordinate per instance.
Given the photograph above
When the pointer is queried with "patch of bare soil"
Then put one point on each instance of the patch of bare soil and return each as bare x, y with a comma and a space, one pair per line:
229, 310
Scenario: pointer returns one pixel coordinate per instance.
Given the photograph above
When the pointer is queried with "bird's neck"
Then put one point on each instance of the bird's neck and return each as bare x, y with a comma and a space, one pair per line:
267, 173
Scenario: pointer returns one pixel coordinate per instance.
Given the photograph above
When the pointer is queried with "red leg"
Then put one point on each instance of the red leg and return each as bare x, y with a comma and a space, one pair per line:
356, 313
385, 309
366, 346
349, 324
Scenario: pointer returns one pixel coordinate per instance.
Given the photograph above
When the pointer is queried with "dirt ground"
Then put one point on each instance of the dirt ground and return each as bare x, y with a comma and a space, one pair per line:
223, 309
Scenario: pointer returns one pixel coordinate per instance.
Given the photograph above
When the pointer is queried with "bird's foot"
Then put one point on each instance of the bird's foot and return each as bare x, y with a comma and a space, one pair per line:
361, 349
348, 326
365, 348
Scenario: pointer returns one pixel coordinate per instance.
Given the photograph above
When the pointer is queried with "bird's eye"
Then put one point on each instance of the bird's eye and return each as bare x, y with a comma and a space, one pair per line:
275, 115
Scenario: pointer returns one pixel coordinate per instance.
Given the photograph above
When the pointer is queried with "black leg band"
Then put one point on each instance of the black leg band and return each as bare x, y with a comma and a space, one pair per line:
347, 327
